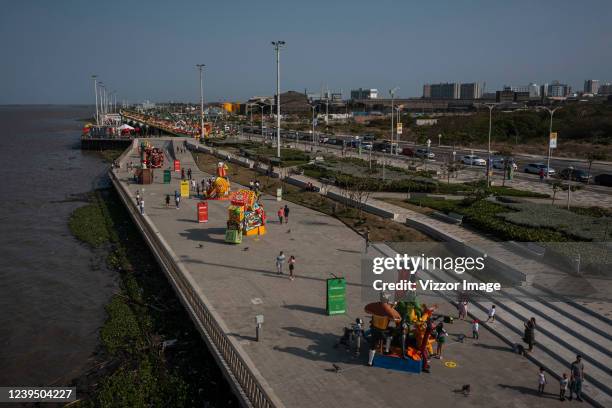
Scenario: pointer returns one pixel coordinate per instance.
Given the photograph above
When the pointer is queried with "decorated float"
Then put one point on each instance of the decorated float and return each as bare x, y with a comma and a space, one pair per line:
246, 216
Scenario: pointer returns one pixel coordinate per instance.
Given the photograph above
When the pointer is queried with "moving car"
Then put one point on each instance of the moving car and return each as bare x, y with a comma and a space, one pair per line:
473, 160
574, 174
534, 168
604, 179
500, 162
424, 153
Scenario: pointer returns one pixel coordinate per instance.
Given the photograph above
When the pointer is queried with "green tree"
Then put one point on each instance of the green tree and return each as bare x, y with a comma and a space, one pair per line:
591, 157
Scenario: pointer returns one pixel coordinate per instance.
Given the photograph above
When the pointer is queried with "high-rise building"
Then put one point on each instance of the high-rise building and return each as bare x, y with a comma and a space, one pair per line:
368, 93
427, 91
591, 86
605, 89
442, 91
504, 96
470, 91
557, 89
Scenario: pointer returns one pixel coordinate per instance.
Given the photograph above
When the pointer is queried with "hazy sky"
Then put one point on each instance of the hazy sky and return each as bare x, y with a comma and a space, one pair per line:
148, 49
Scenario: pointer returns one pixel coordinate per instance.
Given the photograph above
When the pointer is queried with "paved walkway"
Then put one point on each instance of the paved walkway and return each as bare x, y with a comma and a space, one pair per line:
297, 349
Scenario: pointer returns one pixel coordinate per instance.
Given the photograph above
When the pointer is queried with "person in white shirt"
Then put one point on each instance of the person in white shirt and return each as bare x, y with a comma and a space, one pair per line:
541, 381
491, 314
280, 261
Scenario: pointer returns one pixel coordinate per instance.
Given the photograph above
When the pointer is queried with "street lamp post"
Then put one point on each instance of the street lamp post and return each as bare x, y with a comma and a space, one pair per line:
491, 106
94, 77
277, 46
392, 93
551, 112
313, 107
439, 140
200, 68
102, 101
569, 185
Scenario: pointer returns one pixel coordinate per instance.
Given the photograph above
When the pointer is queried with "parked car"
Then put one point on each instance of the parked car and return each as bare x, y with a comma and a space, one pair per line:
534, 168
323, 139
366, 146
604, 179
574, 174
473, 160
424, 153
500, 162
406, 151
369, 137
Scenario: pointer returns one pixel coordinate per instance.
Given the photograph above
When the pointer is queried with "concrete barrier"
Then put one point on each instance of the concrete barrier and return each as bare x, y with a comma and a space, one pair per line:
370, 208
300, 183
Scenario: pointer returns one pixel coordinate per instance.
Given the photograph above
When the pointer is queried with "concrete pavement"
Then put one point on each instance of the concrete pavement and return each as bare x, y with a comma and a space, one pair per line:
297, 347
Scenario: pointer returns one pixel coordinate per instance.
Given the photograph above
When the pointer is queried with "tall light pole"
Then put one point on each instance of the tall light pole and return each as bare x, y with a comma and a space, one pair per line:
200, 67
102, 100
551, 112
277, 46
392, 93
491, 106
94, 77
313, 107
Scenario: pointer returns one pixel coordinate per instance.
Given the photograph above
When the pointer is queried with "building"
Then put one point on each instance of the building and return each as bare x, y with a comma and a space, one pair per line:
369, 93
605, 89
470, 91
544, 90
449, 90
293, 102
591, 86
427, 91
504, 96
532, 89
557, 90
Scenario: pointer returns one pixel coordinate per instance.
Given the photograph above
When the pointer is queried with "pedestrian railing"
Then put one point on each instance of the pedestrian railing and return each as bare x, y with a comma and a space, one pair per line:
238, 371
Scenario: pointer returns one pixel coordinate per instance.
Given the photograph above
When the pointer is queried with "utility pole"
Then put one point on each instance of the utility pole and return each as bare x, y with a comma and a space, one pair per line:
102, 101
94, 77
551, 112
200, 66
313, 107
277, 46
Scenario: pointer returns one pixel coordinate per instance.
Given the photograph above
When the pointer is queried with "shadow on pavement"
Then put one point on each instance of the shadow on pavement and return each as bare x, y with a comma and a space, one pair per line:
528, 391
307, 309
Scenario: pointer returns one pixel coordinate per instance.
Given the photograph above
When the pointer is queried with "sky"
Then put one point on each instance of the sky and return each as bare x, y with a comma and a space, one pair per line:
147, 50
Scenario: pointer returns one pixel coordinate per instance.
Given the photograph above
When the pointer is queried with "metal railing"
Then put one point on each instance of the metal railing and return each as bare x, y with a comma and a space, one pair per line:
252, 393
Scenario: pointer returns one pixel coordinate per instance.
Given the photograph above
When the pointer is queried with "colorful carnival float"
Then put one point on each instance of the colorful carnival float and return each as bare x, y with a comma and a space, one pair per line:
219, 187
401, 333
246, 216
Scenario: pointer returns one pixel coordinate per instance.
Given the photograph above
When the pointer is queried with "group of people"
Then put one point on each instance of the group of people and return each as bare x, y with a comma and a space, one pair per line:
573, 383
177, 200
189, 173
283, 214
139, 202
254, 185
280, 262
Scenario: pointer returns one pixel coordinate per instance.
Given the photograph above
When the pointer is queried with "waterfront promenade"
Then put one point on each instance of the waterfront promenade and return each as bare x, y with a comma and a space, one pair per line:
293, 361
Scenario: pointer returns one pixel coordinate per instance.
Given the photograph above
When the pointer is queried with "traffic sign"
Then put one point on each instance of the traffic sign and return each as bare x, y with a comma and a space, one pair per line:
399, 128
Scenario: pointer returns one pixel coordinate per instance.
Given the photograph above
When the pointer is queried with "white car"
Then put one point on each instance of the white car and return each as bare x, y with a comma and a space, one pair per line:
424, 153
535, 168
473, 160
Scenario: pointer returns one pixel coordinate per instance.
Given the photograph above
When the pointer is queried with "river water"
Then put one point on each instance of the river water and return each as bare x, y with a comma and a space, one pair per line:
52, 288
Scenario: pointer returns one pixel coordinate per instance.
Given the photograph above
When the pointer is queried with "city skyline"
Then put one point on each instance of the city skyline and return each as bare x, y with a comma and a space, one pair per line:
150, 53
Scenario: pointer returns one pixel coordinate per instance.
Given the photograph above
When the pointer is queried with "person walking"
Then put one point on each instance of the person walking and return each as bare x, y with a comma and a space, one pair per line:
291, 267
541, 381
141, 207
251, 185
281, 213
576, 378
280, 261
198, 189
441, 335
530, 326
286, 213
563, 383
475, 328
167, 200
177, 201
182, 174
542, 175
491, 314
137, 197
193, 184
463, 309
257, 185
189, 173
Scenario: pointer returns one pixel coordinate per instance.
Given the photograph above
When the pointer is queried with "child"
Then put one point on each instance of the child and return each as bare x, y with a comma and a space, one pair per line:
563, 383
491, 314
291, 267
441, 335
475, 327
541, 381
